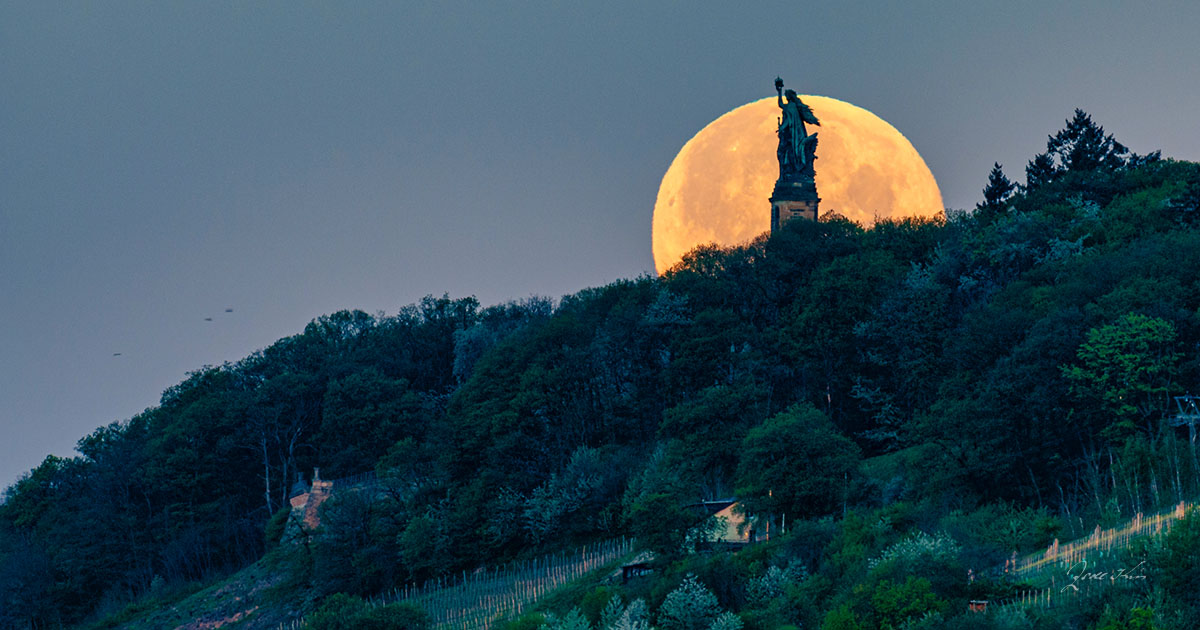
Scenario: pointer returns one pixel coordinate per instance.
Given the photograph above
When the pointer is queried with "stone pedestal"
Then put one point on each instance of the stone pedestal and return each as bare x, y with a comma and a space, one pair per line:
792, 200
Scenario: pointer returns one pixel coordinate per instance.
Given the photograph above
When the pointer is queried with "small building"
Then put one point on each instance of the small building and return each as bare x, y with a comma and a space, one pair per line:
306, 506
635, 570
734, 527
639, 566
977, 605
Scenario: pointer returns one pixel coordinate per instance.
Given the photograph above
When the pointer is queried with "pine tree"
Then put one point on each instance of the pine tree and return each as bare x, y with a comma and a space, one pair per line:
998, 190
1040, 171
1082, 146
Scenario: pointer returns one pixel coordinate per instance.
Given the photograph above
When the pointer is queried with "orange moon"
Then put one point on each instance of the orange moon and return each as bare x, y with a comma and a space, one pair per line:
716, 189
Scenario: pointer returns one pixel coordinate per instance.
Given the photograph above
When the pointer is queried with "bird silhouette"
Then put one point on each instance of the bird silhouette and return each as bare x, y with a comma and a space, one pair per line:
228, 310
116, 354
208, 319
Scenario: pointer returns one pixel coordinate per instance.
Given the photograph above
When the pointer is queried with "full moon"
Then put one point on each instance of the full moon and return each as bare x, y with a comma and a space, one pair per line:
716, 189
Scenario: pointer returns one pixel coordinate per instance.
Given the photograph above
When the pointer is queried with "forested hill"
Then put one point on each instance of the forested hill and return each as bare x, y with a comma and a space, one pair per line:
1019, 357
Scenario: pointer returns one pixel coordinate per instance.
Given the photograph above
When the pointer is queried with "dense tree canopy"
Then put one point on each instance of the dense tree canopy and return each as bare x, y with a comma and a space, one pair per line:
1023, 354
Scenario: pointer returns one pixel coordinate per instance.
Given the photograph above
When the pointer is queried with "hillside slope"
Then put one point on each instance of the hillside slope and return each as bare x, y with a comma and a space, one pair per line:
1014, 366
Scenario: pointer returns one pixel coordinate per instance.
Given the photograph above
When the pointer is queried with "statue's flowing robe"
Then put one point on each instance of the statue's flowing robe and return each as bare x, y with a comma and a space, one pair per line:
792, 131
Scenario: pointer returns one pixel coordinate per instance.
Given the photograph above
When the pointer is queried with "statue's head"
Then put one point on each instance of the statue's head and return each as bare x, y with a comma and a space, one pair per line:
791, 95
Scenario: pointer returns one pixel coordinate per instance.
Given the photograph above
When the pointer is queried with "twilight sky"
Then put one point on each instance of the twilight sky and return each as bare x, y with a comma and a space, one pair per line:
162, 162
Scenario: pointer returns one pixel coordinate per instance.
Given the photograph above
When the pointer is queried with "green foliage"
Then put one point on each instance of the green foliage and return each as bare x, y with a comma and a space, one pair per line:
348, 556
273, 531
1136, 619
934, 558
578, 499
1128, 368
527, 621
617, 616
346, 612
574, 620
691, 606
1082, 146
659, 521
1040, 171
395, 617
1178, 562
894, 604
600, 601
1176, 568
706, 431
337, 612
726, 621
997, 191
806, 540
1001, 375
841, 618
422, 542
774, 583
364, 413
859, 536
991, 532
918, 547
824, 318
795, 464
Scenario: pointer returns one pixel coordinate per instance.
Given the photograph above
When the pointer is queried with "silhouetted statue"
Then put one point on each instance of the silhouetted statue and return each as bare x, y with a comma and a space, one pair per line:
797, 149
795, 194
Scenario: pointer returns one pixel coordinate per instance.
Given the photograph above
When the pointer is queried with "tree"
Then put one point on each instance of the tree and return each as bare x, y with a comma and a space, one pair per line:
574, 620
1082, 149
1040, 171
617, 616
903, 345
660, 522
26, 583
279, 424
1082, 146
493, 325
350, 555
1125, 369
997, 191
690, 607
726, 621
1136, 619
841, 618
893, 605
424, 545
796, 464
573, 500
836, 298
362, 415
706, 430
1176, 567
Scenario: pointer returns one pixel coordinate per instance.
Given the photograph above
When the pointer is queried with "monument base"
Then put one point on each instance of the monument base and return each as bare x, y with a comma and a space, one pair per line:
792, 200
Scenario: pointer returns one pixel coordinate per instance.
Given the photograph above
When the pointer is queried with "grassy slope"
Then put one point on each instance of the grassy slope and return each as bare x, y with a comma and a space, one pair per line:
259, 598
254, 598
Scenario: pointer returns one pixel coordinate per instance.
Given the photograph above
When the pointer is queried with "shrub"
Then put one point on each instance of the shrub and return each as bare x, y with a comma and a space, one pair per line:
689, 607
346, 612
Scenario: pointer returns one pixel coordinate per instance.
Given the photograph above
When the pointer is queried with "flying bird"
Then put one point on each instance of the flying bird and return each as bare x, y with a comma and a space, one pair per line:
116, 354
208, 319
228, 310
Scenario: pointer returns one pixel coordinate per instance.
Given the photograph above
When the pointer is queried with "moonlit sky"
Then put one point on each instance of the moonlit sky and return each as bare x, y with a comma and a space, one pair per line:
162, 162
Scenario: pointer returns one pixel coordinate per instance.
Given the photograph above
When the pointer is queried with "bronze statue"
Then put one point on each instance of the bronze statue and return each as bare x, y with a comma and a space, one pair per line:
797, 149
